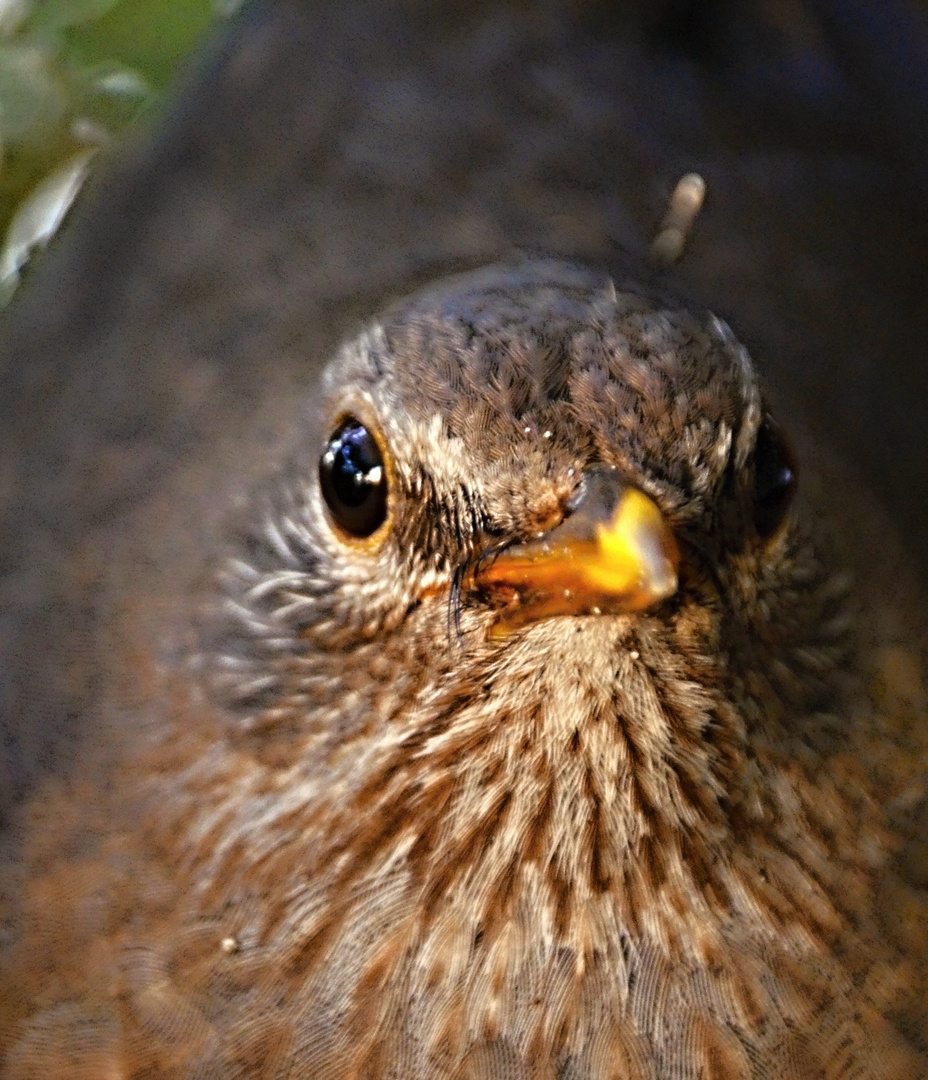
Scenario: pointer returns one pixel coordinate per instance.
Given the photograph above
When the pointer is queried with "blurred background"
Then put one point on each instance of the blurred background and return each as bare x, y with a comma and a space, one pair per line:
76, 75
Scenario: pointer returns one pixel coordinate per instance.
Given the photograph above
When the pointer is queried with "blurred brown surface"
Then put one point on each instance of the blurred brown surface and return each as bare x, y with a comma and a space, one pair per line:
331, 156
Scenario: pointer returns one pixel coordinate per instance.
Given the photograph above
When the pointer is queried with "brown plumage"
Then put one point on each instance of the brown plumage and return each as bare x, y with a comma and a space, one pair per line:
369, 814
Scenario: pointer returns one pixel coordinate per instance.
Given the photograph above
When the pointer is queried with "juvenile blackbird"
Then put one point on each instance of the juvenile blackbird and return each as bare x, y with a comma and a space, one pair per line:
514, 729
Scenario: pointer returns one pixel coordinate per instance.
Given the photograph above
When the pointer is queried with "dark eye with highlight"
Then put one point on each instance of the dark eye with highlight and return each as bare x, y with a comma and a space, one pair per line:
776, 475
354, 479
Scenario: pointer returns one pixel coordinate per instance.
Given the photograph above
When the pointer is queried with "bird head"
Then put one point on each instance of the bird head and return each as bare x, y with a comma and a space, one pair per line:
520, 454
533, 582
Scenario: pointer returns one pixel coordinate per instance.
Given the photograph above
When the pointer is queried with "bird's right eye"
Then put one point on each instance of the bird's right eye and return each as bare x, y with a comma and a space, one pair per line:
776, 473
353, 479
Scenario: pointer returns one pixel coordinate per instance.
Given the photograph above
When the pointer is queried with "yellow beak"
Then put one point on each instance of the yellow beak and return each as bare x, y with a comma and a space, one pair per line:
614, 553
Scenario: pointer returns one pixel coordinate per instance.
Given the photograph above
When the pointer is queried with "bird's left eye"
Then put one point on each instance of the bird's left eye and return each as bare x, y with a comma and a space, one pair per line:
353, 479
776, 475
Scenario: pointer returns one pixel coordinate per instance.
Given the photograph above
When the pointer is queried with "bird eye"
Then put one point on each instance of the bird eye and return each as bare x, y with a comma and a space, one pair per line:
776, 474
354, 479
